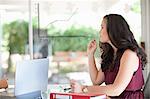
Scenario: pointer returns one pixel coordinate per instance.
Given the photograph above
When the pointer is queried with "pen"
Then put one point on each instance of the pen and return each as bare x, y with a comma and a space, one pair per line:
67, 89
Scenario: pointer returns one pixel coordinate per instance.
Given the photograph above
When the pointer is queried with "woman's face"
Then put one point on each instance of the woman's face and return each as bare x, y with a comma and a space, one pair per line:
103, 32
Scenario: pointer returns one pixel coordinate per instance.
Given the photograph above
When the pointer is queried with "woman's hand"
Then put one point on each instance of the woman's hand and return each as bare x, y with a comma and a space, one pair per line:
76, 87
91, 48
3, 83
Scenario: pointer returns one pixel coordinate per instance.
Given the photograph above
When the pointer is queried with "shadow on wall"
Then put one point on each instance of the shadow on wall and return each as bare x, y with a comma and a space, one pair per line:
147, 88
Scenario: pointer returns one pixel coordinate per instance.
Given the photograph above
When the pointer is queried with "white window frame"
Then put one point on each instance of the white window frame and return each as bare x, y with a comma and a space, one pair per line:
145, 27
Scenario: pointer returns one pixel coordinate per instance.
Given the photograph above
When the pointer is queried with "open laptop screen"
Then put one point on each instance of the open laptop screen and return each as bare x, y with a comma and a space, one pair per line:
31, 76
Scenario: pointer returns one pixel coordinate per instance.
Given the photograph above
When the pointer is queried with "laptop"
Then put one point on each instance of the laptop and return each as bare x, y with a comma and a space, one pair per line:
31, 78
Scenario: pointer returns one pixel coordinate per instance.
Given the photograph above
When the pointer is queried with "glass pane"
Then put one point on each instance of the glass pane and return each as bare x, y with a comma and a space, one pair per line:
62, 30
65, 27
13, 37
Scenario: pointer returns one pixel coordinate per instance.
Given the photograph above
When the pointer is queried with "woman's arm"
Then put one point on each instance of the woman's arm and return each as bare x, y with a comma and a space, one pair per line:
128, 65
97, 77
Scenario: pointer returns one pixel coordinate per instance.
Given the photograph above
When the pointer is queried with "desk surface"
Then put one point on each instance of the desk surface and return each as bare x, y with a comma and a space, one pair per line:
9, 93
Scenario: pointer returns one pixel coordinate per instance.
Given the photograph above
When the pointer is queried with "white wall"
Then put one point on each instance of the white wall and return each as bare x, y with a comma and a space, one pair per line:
145, 13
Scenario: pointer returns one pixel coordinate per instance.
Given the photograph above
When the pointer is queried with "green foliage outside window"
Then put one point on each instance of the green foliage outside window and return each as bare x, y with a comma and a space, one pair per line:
15, 36
73, 39
136, 8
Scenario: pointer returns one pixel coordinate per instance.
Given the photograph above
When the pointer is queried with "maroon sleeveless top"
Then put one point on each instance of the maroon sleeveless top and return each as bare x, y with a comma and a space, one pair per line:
133, 90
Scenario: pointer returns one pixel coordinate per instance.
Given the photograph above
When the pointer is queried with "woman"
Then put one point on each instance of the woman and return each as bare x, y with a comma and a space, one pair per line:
121, 65
3, 83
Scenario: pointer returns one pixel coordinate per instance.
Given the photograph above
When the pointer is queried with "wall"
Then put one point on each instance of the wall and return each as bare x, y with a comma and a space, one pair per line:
145, 13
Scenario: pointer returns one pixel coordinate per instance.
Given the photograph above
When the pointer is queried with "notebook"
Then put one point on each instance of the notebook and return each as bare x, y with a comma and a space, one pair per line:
31, 76
76, 96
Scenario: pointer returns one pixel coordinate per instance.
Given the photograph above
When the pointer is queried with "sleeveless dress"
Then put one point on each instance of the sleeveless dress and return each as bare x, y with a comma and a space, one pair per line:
134, 88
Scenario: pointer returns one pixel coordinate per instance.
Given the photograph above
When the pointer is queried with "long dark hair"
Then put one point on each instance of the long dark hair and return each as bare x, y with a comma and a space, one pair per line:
122, 38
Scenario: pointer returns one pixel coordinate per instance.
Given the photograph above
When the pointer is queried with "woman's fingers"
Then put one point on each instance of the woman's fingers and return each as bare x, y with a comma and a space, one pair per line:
72, 84
76, 87
92, 43
91, 47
